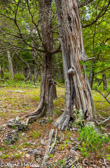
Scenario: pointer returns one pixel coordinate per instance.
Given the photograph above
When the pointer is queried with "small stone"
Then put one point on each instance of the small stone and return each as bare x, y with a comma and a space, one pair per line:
11, 137
4, 125
62, 110
1, 153
72, 139
25, 149
27, 156
20, 125
23, 134
17, 118
42, 142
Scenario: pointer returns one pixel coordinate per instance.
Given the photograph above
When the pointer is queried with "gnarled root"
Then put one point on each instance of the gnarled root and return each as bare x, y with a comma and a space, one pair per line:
36, 114
62, 122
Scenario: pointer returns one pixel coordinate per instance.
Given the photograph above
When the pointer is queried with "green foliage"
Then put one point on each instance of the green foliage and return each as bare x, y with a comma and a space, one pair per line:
35, 134
59, 164
66, 140
4, 156
91, 141
50, 155
62, 163
1, 149
16, 83
108, 157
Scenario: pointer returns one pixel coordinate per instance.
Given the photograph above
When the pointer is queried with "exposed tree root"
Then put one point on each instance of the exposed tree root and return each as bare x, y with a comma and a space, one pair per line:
36, 114
62, 122
34, 117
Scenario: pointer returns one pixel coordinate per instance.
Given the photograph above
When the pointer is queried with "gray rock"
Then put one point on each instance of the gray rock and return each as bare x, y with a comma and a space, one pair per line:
11, 137
27, 156
69, 161
23, 134
4, 125
24, 149
72, 139
19, 125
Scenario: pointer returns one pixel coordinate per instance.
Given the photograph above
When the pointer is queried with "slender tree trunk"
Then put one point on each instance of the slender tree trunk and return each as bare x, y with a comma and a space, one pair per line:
77, 89
10, 64
27, 70
35, 66
92, 79
47, 75
104, 80
1, 72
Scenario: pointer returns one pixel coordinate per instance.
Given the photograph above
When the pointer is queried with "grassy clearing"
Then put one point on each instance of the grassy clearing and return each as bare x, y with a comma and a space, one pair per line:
102, 106
16, 100
20, 100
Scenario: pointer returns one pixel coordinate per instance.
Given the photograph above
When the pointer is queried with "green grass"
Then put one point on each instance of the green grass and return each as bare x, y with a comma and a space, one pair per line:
102, 106
35, 134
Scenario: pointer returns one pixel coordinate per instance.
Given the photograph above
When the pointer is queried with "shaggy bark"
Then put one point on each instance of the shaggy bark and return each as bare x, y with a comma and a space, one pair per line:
77, 89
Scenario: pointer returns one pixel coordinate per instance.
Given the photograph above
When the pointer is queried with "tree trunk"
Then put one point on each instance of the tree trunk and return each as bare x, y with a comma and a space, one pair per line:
104, 81
27, 69
47, 75
35, 66
1, 72
10, 64
77, 89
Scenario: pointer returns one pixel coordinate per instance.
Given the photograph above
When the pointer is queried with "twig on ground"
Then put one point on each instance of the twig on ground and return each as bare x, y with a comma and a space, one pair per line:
105, 163
49, 148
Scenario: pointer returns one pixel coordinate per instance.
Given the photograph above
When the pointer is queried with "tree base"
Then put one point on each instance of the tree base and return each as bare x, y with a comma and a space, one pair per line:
62, 122
35, 115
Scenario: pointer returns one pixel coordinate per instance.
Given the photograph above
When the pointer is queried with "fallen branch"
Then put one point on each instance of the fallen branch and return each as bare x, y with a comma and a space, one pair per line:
49, 148
105, 164
54, 142
104, 122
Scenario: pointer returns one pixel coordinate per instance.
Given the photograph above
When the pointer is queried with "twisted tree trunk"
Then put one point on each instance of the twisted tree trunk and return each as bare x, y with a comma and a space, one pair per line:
47, 75
77, 88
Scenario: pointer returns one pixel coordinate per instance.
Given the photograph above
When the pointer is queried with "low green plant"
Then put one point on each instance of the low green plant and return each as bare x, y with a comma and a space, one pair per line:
62, 163
4, 156
108, 157
78, 116
66, 142
26, 144
50, 155
1, 149
35, 134
91, 141
59, 164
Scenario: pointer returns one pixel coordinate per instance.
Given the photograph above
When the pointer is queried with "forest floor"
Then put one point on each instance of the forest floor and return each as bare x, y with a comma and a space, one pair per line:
29, 150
